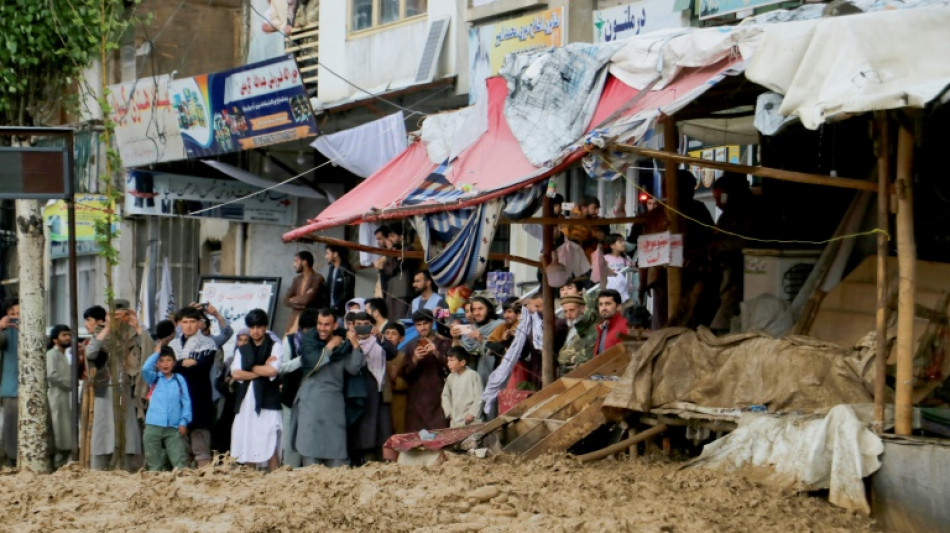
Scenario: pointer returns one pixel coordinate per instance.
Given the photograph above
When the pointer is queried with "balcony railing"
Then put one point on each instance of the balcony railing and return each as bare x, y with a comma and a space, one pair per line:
304, 44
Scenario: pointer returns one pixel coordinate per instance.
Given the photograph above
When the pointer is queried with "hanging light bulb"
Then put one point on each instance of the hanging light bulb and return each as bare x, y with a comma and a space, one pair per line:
300, 160
266, 168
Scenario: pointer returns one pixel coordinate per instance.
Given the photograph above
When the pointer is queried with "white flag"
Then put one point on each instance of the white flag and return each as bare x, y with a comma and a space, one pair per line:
144, 306
165, 298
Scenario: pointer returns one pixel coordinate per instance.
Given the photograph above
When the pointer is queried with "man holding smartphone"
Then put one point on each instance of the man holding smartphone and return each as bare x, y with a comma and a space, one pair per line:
425, 372
9, 377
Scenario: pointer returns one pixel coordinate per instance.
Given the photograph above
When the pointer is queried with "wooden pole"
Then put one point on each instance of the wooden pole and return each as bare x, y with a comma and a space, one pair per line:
674, 275
409, 254
764, 172
555, 221
622, 445
907, 282
547, 350
883, 180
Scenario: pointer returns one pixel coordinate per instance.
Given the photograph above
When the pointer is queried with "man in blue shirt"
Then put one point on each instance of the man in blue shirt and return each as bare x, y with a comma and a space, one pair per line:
169, 410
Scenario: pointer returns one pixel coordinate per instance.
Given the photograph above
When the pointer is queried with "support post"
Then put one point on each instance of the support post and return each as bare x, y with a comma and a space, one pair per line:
547, 350
907, 282
883, 180
674, 275
74, 327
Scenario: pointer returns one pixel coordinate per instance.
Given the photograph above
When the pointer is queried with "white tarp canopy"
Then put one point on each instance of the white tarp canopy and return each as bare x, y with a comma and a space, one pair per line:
852, 64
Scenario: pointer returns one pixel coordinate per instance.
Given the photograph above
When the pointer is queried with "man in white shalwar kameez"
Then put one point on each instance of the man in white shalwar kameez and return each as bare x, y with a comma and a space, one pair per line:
255, 436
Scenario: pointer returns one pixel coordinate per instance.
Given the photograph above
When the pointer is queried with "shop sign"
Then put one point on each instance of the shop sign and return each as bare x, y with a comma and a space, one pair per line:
90, 208
248, 107
489, 44
626, 21
173, 195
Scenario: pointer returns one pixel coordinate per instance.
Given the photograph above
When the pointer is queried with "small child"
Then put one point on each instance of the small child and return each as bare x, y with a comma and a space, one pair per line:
462, 395
169, 410
617, 260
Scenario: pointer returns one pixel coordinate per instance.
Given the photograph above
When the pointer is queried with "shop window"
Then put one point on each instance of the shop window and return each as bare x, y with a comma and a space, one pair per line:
367, 14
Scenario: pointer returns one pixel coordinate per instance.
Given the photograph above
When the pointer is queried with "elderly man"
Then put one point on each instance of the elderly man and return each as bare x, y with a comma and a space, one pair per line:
318, 419
579, 346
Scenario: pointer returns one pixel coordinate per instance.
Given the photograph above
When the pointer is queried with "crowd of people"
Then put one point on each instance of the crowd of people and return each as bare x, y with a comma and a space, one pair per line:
346, 373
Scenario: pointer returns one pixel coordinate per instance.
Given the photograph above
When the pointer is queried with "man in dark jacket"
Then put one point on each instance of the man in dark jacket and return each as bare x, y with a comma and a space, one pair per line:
341, 282
195, 354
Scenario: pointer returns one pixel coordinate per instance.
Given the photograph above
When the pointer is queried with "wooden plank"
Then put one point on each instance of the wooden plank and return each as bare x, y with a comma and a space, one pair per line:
556, 403
536, 399
296, 36
570, 432
311, 68
528, 439
304, 46
598, 393
591, 367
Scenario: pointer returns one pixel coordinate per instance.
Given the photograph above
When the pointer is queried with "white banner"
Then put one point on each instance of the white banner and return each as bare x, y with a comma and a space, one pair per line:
146, 123
623, 22
658, 249
234, 300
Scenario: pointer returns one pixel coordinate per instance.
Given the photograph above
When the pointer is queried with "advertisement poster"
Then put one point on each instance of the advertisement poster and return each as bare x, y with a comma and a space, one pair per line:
146, 125
717, 8
707, 176
489, 44
89, 209
161, 194
623, 22
242, 108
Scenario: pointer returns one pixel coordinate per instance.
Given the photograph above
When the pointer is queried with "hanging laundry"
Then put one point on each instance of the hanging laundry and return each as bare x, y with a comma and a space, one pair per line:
365, 149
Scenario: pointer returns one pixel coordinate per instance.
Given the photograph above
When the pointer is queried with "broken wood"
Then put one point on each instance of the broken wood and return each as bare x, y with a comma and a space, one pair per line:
622, 445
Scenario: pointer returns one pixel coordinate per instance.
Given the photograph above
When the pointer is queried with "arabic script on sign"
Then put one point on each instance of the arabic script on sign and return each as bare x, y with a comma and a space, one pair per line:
658, 249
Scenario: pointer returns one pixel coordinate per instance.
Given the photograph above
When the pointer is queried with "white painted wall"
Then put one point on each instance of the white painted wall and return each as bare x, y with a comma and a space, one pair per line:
382, 59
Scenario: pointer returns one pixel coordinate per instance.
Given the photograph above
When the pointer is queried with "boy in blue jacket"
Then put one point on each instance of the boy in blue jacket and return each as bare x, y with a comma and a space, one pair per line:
169, 410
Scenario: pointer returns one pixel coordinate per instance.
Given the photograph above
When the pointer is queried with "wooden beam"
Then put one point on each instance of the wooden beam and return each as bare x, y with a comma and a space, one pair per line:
547, 314
556, 221
622, 445
764, 172
408, 254
907, 283
883, 181
674, 275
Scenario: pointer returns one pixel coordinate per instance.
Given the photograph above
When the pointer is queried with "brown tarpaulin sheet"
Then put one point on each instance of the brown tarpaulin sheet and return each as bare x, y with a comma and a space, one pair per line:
741, 370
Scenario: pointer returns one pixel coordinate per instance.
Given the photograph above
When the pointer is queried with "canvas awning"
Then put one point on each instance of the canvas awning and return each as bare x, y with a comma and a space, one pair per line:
494, 165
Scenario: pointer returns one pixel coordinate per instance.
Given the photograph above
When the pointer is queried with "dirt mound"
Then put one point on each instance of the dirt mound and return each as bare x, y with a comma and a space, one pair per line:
552, 494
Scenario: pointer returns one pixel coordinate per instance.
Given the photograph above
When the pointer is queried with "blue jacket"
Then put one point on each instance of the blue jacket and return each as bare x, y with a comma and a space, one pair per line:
170, 404
9, 369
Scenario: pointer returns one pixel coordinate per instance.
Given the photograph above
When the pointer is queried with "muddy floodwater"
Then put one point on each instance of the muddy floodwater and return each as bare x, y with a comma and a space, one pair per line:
549, 495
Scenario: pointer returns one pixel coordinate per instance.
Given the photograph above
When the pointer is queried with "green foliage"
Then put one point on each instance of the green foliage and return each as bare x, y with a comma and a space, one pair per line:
45, 45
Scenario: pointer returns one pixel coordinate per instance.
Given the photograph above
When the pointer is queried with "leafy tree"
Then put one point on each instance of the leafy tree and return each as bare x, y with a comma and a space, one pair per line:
44, 48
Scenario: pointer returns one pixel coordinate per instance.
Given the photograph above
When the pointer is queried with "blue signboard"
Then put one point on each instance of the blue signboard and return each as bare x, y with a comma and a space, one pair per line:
242, 108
